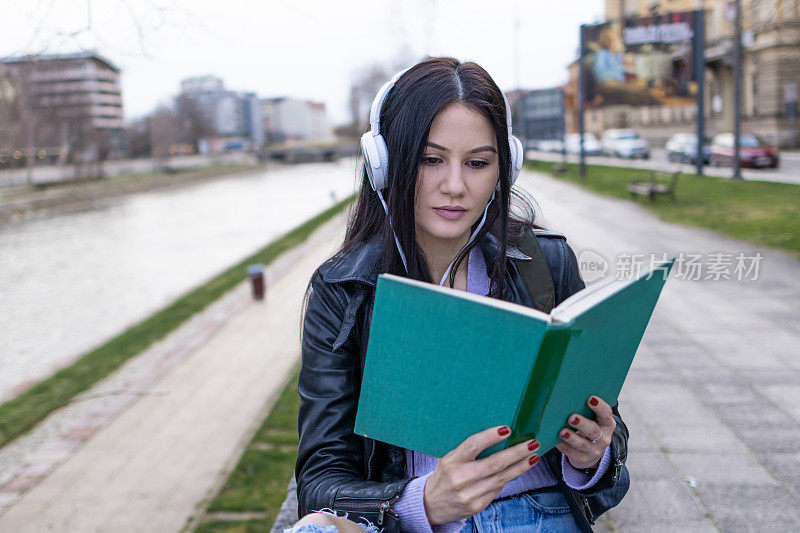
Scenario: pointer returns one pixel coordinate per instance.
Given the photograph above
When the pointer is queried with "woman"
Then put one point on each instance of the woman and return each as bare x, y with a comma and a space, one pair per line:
435, 206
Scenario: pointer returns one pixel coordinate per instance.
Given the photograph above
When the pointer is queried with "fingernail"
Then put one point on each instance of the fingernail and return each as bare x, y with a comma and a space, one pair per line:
565, 435
532, 445
505, 430
533, 460
593, 401
574, 421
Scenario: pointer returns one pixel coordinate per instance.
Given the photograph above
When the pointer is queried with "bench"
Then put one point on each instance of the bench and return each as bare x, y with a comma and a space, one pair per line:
659, 183
287, 516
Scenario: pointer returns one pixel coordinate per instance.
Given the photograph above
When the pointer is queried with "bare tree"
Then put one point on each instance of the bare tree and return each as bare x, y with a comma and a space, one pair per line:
194, 122
366, 82
166, 131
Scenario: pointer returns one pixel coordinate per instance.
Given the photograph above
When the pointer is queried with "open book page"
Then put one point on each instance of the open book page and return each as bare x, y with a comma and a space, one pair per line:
485, 300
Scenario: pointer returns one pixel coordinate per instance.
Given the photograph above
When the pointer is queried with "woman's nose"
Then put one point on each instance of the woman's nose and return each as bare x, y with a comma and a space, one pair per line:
453, 180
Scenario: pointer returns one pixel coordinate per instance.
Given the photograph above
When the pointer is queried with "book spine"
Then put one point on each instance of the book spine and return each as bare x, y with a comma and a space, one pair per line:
540, 383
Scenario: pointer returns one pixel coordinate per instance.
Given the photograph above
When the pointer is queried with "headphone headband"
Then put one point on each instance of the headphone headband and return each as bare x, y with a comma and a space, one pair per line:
377, 104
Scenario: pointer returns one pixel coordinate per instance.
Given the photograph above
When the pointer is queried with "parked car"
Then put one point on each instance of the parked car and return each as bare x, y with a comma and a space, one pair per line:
590, 144
753, 151
682, 148
551, 145
545, 145
624, 143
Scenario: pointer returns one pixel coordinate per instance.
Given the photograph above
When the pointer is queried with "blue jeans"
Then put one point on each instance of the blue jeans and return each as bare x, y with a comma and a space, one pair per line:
542, 512
538, 512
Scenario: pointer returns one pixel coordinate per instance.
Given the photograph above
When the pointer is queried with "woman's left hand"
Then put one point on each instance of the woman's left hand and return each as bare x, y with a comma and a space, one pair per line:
578, 444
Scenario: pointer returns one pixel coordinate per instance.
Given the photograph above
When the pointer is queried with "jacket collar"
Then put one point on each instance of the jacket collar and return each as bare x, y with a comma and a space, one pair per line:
362, 262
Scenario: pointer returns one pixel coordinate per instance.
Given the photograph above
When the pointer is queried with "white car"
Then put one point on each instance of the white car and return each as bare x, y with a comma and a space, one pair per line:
550, 145
624, 143
590, 144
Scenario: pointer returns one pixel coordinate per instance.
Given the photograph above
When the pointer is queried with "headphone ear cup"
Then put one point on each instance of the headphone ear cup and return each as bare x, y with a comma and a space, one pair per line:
376, 157
517, 156
382, 181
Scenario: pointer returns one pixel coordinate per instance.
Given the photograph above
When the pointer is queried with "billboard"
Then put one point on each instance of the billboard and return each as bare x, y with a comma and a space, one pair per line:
643, 61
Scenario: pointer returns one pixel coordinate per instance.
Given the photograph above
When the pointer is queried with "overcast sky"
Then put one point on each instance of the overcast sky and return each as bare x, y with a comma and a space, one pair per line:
305, 49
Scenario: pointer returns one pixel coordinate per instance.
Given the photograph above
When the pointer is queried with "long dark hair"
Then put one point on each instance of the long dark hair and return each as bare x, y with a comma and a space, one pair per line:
405, 121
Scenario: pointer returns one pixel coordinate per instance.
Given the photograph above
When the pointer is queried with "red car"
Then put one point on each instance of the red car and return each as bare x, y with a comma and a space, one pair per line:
753, 151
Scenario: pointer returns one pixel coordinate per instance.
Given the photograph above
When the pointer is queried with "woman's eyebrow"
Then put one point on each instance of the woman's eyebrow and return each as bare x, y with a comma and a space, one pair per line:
473, 151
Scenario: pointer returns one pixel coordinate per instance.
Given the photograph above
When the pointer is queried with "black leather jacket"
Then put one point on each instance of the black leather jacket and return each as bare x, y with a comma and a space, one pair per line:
339, 470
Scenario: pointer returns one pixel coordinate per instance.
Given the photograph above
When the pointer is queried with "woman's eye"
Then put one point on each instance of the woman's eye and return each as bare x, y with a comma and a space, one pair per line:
431, 160
477, 164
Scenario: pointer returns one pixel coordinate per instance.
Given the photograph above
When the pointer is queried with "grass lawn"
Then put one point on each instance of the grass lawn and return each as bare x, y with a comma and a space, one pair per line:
258, 482
760, 212
20, 414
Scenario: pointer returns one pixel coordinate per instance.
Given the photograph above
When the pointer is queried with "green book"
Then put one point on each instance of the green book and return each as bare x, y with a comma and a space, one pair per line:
443, 364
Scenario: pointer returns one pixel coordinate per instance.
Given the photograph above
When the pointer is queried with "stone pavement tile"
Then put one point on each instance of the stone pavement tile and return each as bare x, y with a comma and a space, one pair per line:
747, 359
760, 415
646, 359
649, 466
726, 390
722, 468
787, 397
657, 501
773, 376
690, 356
784, 466
639, 440
787, 322
698, 438
704, 373
750, 507
666, 526
678, 408
770, 440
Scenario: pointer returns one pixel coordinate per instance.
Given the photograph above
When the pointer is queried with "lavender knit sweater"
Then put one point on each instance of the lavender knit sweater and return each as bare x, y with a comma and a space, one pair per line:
411, 507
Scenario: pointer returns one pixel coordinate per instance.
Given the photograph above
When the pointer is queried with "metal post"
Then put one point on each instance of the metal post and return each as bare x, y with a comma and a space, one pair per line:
737, 91
699, 74
582, 154
563, 130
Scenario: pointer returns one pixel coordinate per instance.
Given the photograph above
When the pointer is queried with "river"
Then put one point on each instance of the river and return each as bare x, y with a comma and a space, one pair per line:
69, 283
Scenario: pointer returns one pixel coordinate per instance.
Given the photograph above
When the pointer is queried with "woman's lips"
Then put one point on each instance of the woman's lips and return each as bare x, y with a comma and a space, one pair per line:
450, 213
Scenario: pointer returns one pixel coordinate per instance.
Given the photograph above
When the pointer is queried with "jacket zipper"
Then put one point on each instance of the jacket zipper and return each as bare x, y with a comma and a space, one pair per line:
383, 507
369, 460
618, 464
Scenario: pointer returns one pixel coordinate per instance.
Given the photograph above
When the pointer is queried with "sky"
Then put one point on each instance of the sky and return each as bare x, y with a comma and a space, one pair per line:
308, 49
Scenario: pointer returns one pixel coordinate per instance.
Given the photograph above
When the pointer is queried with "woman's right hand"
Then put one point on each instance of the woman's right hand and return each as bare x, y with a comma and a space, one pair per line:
462, 485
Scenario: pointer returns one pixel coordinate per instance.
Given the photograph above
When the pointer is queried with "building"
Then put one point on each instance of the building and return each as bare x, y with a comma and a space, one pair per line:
538, 115
290, 119
228, 120
63, 107
770, 73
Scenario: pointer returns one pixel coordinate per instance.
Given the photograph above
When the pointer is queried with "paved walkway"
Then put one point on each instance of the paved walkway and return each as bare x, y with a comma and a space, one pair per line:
713, 399
150, 466
712, 402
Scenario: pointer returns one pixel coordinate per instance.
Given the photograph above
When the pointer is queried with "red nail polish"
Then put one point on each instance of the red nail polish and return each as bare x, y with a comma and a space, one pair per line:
594, 402
532, 445
575, 421
504, 431
565, 435
533, 460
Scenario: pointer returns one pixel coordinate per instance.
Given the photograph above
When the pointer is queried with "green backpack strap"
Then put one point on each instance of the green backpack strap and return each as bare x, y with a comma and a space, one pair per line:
536, 272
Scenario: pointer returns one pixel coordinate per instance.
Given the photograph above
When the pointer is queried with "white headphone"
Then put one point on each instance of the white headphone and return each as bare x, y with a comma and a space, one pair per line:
376, 158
